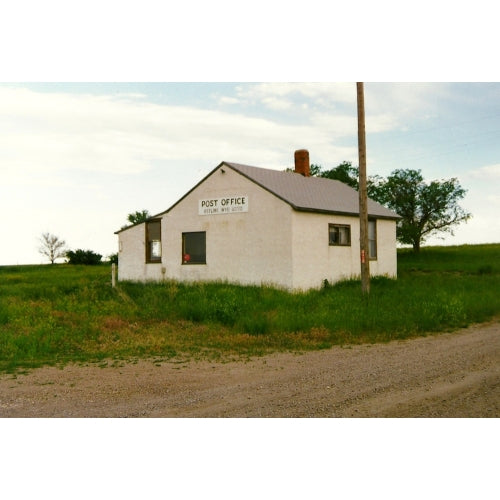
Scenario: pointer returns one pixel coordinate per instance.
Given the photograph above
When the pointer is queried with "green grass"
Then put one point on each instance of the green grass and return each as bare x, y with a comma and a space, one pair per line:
62, 313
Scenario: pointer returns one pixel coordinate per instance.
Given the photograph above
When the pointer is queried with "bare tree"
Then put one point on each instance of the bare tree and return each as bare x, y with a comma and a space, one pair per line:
52, 247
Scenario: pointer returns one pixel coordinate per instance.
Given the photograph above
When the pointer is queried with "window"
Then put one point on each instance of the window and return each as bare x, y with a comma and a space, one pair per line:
339, 235
153, 241
372, 239
194, 248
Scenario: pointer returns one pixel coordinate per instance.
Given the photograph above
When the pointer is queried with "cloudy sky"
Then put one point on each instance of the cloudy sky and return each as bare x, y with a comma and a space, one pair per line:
77, 158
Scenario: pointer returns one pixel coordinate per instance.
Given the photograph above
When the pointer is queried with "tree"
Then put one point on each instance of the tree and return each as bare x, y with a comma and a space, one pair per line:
52, 247
113, 258
426, 208
314, 170
349, 175
83, 257
344, 172
138, 216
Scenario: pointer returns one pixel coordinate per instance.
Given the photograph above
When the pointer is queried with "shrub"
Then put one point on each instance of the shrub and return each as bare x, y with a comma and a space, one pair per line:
85, 257
113, 258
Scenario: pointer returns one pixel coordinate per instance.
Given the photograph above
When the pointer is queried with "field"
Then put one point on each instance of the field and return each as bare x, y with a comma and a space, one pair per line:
52, 315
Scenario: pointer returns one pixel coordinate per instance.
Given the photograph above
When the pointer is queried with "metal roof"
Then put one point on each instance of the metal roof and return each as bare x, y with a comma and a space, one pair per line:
308, 194
311, 194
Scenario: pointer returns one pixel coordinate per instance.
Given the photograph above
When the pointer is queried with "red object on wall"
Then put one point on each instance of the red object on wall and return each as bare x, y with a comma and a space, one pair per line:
187, 257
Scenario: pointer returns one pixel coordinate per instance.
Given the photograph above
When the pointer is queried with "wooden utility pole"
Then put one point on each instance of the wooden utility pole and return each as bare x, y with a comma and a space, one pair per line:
363, 198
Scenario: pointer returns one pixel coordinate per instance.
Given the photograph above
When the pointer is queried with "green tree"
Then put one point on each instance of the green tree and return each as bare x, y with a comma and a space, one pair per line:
349, 175
83, 257
52, 247
426, 208
314, 170
113, 258
344, 172
138, 216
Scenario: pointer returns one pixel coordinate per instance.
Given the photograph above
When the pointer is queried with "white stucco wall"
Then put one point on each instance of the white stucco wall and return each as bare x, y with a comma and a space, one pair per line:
315, 260
387, 261
132, 256
253, 247
270, 244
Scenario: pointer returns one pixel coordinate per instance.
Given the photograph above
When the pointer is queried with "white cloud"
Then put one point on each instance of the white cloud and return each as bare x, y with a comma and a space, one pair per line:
321, 92
277, 103
388, 106
341, 125
76, 164
304, 98
486, 173
228, 100
54, 132
379, 97
493, 199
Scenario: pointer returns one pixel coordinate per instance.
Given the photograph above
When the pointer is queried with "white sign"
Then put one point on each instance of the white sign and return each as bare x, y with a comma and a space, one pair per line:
229, 205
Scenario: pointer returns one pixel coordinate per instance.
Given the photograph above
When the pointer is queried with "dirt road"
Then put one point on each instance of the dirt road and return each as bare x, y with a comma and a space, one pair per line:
447, 375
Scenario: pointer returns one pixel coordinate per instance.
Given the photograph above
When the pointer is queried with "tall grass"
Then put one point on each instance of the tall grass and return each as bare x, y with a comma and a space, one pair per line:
61, 313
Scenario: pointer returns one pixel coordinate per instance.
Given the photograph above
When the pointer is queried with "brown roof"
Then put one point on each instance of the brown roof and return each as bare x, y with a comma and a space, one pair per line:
311, 194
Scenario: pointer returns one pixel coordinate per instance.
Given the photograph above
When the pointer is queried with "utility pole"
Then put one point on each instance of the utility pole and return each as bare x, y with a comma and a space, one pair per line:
363, 198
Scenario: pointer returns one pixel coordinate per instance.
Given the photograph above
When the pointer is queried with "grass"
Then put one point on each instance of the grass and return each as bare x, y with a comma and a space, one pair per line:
58, 314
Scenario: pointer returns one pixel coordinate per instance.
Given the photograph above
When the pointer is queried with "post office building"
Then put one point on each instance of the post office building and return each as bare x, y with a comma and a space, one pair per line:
251, 225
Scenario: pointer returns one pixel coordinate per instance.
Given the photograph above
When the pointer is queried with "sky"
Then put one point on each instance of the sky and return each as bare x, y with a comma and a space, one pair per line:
168, 91
77, 158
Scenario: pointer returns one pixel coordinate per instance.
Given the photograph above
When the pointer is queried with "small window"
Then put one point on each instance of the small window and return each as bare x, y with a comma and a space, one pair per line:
339, 235
372, 239
194, 248
153, 241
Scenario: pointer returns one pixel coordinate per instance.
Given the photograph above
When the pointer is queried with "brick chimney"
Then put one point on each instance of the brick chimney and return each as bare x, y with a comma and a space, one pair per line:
302, 162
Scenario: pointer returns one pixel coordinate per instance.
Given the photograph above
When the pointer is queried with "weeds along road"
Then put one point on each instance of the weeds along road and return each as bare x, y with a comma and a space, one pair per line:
447, 375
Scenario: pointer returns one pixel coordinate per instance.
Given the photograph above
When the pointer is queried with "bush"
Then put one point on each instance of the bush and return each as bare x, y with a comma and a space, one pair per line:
85, 257
113, 258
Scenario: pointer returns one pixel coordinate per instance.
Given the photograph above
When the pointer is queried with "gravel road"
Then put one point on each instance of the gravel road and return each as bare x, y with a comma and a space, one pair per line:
447, 375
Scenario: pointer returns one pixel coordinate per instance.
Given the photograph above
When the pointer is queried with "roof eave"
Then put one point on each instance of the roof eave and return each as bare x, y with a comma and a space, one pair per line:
125, 228
288, 202
177, 202
338, 212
